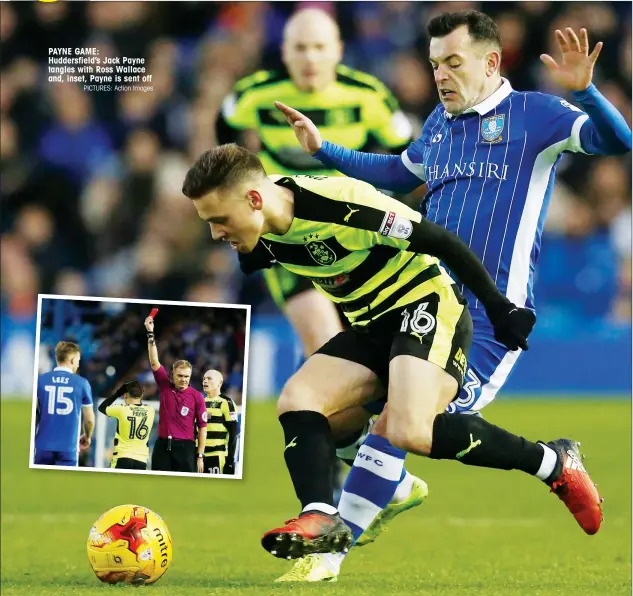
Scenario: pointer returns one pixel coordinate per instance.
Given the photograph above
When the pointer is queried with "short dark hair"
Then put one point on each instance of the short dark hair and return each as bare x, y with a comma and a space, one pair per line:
220, 167
134, 389
481, 27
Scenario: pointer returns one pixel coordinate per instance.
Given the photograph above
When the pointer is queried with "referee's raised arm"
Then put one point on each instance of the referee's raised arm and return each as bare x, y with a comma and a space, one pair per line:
151, 344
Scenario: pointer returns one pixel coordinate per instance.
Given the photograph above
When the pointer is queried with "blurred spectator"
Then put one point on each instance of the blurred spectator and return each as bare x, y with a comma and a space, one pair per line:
414, 88
76, 142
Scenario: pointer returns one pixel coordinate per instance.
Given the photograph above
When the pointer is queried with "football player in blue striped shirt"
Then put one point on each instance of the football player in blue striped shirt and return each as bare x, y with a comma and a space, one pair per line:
63, 399
488, 155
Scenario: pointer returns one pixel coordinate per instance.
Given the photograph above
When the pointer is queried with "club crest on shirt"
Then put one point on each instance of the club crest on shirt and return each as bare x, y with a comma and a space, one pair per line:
321, 252
184, 411
492, 127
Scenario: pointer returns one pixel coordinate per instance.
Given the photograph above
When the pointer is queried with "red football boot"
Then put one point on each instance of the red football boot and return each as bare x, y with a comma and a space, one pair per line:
573, 486
311, 532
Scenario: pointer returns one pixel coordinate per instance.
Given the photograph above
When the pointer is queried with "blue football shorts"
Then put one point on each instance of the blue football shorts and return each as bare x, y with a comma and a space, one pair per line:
55, 458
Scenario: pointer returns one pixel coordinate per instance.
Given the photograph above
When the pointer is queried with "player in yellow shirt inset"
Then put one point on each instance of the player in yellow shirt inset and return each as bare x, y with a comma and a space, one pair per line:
219, 449
134, 426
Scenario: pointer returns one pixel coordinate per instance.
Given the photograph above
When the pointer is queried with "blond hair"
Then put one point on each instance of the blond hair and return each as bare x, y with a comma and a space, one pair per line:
64, 350
181, 364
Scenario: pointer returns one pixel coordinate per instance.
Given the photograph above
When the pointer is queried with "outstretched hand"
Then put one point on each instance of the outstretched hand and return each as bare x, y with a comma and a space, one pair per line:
305, 130
575, 69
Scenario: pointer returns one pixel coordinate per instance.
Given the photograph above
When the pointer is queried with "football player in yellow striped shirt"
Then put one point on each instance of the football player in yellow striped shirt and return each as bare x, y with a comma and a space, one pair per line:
409, 337
134, 426
353, 107
219, 449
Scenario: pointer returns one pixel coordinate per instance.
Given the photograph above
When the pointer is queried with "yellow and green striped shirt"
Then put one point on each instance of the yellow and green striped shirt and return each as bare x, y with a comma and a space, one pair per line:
351, 241
134, 426
356, 110
220, 410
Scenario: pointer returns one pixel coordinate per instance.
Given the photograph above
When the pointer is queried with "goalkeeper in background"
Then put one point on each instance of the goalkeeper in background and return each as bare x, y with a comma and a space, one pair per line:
134, 425
219, 449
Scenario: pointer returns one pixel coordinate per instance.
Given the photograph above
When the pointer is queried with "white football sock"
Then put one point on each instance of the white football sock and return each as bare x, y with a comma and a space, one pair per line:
333, 561
550, 458
322, 507
404, 488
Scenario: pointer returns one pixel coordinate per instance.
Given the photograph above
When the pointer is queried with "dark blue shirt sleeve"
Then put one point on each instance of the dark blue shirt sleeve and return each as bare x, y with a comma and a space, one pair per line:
606, 132
382, 171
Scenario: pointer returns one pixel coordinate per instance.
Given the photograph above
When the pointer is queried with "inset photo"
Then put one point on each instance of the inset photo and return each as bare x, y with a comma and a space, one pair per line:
139, 386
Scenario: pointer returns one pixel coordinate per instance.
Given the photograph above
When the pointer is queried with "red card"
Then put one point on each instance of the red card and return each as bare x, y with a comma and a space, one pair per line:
153, 313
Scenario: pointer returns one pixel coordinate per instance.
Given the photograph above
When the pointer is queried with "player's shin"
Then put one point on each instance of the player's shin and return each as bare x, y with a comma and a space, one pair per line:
309, 455
347, 449
476, 442
371, 483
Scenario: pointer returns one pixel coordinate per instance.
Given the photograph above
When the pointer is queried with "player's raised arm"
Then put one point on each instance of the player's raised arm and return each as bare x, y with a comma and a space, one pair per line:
108, 401
605, 132
384, 171
151, 344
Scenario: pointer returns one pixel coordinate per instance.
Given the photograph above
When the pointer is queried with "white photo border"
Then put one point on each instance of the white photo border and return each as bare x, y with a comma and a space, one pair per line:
238, 472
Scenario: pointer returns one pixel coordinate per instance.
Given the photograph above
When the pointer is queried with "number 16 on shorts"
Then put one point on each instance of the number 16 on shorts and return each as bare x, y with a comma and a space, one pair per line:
420, 322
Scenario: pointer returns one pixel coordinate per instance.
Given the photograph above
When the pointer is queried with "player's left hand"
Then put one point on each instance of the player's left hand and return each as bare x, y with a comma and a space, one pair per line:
84, 442
200, 462
512, 325
575, 70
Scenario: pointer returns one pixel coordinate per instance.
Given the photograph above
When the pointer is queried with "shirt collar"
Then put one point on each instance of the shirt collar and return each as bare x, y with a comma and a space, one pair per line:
64, 368
491, 102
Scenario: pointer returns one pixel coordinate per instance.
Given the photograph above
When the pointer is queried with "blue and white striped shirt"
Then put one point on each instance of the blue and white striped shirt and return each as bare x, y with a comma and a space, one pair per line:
490, 172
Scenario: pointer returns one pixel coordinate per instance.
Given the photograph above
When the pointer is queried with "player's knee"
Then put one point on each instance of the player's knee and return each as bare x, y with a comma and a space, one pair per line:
417, 443
412, 437
296, 396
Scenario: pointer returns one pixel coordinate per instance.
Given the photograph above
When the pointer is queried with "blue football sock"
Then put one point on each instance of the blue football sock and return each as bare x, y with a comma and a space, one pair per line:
371, 483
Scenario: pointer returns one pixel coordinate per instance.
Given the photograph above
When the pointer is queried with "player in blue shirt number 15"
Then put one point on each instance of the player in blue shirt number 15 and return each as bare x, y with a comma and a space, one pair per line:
63, 399
488, 155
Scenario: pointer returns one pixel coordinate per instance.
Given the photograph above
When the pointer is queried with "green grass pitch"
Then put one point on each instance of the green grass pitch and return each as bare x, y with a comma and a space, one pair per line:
481, 532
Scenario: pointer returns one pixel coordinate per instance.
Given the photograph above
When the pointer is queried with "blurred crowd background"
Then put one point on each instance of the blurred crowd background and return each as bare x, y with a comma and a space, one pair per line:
91, 182
113, 342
